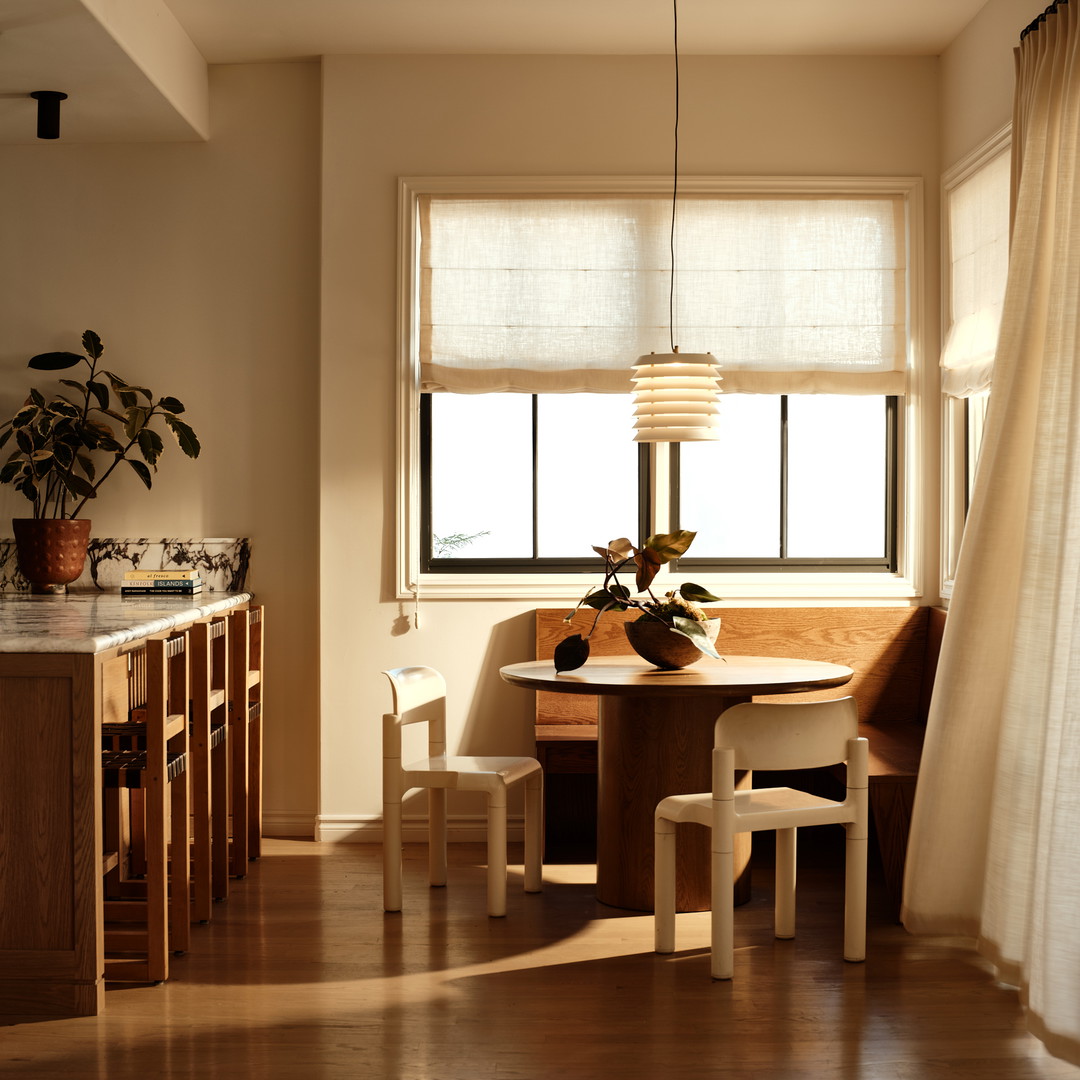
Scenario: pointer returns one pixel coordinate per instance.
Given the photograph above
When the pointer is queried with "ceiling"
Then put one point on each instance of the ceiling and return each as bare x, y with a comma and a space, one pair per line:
135, 69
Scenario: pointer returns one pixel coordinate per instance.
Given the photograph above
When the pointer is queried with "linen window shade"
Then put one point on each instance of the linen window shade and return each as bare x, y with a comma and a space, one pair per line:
556, 294
979, 259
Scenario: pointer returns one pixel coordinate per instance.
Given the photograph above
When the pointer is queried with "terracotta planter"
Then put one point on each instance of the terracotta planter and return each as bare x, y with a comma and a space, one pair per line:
655, 642
51, 551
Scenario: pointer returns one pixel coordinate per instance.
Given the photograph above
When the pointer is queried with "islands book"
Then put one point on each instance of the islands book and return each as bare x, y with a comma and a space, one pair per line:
161, 584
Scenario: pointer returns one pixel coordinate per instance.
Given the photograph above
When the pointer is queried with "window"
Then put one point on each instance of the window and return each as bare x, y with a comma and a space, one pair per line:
516, 480
772, 481
526, 303
976, 204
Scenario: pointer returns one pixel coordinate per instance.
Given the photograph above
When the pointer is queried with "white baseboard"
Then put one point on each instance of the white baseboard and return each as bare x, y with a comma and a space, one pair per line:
460, 829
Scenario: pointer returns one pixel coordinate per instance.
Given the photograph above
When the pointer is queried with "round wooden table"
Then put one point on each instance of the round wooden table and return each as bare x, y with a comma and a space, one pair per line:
655, 739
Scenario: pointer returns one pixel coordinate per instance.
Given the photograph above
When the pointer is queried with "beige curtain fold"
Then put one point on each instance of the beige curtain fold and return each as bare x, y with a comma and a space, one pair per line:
994, 850
557, 294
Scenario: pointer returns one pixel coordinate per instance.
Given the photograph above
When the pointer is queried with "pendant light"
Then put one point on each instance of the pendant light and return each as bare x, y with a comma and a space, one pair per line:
676, 395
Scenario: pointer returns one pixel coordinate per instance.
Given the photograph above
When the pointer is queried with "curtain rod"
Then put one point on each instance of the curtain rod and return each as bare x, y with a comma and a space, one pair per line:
1034, 24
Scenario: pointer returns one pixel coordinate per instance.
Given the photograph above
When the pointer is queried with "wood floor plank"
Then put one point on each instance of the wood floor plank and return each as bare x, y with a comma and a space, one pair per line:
301, 975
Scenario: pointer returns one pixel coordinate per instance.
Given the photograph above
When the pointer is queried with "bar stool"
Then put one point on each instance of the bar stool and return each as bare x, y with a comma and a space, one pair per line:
245, 735
150, 755
208, 644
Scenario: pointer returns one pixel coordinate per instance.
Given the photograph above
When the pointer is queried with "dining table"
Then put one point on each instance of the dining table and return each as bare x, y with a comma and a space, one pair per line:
655, 738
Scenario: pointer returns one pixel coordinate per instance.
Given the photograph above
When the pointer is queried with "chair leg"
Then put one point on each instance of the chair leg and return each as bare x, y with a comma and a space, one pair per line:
392, 855
723, 907
496, 853
664, 885
534, 831
784, 914
437, 836
855, 899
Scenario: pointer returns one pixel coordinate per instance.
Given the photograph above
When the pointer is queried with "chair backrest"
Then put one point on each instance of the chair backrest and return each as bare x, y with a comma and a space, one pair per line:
419, 697
800, 735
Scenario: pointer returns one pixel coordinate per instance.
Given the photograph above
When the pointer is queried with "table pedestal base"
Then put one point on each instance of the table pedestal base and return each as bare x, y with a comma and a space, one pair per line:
650, 749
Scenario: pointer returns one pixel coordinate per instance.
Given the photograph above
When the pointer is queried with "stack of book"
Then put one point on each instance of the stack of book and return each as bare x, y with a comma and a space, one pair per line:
161, 583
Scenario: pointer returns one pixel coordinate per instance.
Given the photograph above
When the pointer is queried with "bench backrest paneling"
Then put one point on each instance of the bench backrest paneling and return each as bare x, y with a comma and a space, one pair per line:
888, 648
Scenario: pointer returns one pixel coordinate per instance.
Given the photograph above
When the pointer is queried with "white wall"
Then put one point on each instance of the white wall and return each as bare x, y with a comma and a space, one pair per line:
977, 76
385, 117
201, 266
198, 265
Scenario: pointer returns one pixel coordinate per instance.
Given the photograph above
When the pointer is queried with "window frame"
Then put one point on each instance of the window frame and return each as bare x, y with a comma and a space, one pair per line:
802, 583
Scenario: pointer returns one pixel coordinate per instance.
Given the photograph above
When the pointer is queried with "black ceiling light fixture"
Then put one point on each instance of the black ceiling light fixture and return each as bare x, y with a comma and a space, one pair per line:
48, 113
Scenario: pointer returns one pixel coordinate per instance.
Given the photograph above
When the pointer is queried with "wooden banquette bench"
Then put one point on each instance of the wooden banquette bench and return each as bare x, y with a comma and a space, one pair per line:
892, 650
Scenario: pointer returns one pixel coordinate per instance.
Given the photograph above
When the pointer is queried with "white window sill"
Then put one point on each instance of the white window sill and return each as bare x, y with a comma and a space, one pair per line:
734, 589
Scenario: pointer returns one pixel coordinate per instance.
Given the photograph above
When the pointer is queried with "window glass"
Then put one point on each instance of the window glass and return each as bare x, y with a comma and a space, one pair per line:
836, 477
587, 473
481, 459
832, 505
729, 490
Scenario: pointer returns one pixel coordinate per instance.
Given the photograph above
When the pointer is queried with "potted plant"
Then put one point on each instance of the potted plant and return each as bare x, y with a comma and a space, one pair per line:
671, 631
53, 463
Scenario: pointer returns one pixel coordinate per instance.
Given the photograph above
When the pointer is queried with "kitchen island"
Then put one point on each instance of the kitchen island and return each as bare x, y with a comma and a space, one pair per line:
65, 665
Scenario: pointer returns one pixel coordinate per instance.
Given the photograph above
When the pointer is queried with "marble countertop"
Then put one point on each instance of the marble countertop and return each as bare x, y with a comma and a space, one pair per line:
93, 621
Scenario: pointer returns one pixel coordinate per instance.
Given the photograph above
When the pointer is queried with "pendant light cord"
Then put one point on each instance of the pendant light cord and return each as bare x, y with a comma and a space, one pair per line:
674, 182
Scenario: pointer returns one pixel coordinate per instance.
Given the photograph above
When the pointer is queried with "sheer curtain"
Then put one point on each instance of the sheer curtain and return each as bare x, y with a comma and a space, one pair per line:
995, 840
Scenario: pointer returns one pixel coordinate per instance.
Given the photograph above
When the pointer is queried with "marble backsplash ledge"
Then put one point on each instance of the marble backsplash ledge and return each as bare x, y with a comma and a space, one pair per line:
223, 563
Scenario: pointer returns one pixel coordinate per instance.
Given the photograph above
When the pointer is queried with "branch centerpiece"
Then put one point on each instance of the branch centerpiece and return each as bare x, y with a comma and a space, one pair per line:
664, 623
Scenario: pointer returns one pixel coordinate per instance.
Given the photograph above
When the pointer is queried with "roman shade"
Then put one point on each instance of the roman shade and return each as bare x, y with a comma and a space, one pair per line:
561, 293
978, 211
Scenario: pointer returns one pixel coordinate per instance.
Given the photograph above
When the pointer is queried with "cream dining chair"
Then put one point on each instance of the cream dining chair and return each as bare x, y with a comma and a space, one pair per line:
760, 735
420, 697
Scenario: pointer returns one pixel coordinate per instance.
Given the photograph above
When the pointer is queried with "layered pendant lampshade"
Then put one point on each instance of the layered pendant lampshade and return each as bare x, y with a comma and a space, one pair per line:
676, 397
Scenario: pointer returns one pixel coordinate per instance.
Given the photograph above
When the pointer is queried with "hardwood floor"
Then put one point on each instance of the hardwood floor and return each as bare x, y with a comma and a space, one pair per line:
302, 975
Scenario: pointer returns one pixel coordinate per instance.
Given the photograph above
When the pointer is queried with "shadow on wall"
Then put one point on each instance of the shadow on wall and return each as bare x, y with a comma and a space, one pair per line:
500, 716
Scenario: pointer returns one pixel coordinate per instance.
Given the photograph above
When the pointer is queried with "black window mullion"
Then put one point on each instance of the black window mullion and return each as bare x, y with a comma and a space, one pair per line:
535, 477
892, 477
783, 476
425, 480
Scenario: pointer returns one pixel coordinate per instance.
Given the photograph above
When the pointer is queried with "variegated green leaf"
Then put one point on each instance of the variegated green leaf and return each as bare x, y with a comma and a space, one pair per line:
695, 631
24, 416
101, 394
186, 438
142, 472
150, 446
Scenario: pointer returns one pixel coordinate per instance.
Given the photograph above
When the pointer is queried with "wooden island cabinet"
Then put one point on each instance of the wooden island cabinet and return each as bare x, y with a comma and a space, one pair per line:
65, 662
